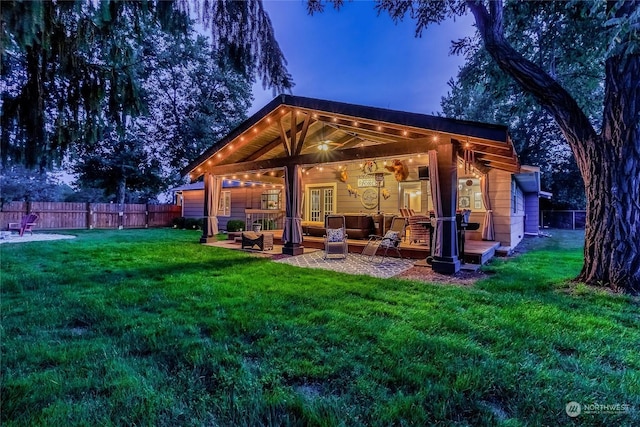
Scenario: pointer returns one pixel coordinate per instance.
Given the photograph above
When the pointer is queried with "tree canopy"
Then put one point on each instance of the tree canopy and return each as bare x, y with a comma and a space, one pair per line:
484, 93
70, 67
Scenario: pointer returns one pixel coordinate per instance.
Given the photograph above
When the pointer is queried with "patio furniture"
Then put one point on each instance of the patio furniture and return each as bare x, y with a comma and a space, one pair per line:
357, 226
391, 240
428, 226
399, 224
335, 239
264, 241
26, 224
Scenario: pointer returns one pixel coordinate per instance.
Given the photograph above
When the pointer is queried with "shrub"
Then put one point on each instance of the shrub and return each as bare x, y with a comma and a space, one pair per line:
178, 222
235, 225
193, 223
188, 223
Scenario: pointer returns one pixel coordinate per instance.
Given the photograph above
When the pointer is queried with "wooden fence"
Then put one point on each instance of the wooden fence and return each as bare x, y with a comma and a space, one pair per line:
61, 215
568, 220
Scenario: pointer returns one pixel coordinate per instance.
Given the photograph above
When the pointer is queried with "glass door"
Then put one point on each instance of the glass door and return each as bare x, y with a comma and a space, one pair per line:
321, 203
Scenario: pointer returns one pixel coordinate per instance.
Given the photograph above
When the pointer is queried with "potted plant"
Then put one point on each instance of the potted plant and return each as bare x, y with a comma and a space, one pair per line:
257, 226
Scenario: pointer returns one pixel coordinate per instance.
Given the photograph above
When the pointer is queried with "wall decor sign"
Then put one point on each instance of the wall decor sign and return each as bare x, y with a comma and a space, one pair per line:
367, 181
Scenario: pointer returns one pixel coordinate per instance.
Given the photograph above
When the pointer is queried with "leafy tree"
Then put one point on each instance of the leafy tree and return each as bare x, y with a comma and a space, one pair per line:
20, 184
122, 167
606, 147
64, 60
194, 99
482, 92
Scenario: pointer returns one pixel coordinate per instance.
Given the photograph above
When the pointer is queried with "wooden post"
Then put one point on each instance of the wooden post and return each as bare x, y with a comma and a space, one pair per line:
448, 263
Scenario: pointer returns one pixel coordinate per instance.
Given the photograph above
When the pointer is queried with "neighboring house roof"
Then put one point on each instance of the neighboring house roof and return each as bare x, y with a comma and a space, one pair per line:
289, 130
187, 187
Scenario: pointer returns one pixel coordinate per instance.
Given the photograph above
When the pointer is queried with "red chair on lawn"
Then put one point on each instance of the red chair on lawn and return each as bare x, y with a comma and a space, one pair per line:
26, 224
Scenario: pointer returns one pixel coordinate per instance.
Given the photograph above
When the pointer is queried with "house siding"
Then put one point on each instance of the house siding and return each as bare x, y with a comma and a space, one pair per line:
193, 204
532, 213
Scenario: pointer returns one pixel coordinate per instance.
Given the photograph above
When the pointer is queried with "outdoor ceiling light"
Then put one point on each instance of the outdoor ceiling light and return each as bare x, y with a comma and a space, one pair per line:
323, 146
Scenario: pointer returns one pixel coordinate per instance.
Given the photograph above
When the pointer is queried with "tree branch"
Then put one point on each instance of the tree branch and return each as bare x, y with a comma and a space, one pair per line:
574, 124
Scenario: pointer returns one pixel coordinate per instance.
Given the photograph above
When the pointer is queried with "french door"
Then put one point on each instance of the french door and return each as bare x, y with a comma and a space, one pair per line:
321, 203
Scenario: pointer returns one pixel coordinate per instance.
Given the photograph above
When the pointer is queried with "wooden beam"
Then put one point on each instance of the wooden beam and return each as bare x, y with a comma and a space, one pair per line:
284, 138
349, 154
240, 142
270, 146
303, 134
293, 133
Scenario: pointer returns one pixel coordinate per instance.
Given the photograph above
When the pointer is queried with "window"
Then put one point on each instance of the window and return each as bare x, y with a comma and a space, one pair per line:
224, 208
270, 199
470, 194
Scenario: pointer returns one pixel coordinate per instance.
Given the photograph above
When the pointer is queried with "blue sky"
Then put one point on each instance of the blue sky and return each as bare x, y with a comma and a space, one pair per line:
358, 57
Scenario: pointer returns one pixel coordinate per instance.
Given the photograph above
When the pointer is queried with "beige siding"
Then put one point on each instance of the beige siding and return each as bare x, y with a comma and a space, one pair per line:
500, 195
350, 203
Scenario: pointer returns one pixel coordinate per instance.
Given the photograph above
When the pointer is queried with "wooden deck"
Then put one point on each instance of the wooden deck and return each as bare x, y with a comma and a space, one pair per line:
475, 251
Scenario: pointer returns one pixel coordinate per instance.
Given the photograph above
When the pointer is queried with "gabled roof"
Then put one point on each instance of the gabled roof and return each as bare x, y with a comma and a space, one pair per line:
290, 129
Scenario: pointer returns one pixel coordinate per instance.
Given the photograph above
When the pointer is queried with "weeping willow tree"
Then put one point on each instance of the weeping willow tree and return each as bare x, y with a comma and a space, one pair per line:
70, 69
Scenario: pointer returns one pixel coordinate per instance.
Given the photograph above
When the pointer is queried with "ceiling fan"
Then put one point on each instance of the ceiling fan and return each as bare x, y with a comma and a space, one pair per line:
325, 144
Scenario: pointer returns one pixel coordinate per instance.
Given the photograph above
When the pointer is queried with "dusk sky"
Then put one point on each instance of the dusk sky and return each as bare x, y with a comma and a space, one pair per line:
358, 57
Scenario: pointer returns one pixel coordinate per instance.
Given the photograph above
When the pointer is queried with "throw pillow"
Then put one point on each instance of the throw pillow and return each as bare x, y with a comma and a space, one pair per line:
335, 235
389, 239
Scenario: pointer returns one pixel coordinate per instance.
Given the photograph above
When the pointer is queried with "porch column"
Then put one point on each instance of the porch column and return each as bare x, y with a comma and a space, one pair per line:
292, 233
445, 258
212, 187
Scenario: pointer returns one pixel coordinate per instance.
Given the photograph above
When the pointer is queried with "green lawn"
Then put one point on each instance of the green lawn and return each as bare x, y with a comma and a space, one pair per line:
147, 327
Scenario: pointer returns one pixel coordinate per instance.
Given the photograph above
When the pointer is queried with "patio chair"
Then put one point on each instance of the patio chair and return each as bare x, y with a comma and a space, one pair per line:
26, 224
335, 238
399, 224
391, 240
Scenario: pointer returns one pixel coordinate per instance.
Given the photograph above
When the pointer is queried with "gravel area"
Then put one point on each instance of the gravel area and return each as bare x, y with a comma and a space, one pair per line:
15, 238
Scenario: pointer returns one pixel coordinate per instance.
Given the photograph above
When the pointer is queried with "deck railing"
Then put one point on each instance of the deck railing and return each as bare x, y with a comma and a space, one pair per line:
269, 219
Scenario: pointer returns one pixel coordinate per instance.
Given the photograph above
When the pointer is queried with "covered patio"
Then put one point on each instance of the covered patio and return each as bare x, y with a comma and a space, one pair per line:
329, 157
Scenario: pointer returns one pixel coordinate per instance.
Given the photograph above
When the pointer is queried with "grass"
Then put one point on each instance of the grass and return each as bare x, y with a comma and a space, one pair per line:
147, 327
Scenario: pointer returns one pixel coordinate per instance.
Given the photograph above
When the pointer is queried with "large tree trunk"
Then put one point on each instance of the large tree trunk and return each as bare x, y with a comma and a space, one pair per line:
609, 162
612, 183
